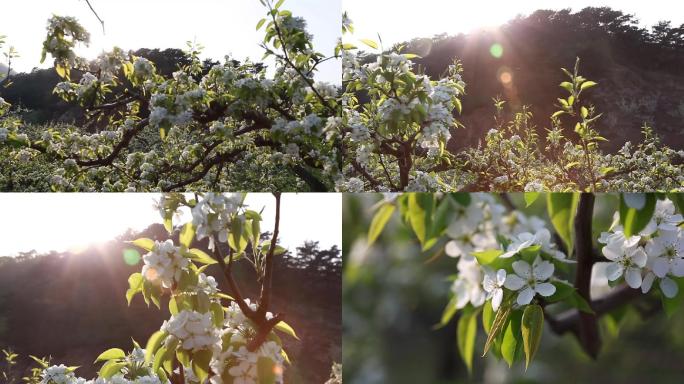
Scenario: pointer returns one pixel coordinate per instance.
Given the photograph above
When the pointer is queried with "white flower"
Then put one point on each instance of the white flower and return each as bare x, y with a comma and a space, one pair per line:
194, 330
666, 253
664, 218
493, 285
164, 262
467, 288
519, 243
626, 258
57, 374
531, 280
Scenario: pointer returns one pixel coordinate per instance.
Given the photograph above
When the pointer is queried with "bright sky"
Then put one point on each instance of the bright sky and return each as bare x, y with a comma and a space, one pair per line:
222, 26
67, 221
399, 20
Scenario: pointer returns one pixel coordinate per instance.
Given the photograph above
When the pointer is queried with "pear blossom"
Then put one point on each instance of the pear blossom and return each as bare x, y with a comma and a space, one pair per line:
165, 263
627, 258
493, 284
668, 287
467, 287
194, 330
666, 253
664, 218
530, 280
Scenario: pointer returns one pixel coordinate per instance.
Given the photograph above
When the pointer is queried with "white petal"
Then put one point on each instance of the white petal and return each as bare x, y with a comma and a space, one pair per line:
514, 282
613, 271
661, 266
545, 289
613, 251
525, 296
635, 200
633, 277
668, 287
542, 270
496, 299
452, 249
500, 277
638, 257
488, 282
678, 267
648, 282
522, 269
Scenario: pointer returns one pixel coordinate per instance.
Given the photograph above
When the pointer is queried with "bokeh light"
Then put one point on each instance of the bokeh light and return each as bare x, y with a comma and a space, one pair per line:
506, 77
131, 256
496, 50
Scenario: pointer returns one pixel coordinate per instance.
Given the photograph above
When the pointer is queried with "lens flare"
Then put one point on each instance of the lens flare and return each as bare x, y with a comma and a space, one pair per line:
151, 274
506, 78
496, 50
131, 256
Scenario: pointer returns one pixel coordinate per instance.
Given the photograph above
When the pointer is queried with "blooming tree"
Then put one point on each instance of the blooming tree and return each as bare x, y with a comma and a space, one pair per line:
397, 122
516, 272
193, 130
209, 336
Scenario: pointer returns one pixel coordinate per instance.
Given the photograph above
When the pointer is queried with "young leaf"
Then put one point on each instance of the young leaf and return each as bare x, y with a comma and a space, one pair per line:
286, 328
144, 243
561, 208
153, 344
111, 354
633, 219
488, 256
531, 197
587, 84
379, 221
499, 321
466, 334
531, 328
448, 313
511, 338
370, 43
200, 364
186, 235
200, 256
111, 368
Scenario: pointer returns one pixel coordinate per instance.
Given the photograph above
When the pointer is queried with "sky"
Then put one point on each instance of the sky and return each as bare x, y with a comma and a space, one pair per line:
400, 20
72, 221
222, 26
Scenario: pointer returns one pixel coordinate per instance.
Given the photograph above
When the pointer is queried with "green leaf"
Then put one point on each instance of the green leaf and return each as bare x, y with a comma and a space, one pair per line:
587, 85
379, 221
448, 313
563, 291
487, 316
168, 224
286, 328
200, 364
465, 336
567, 86
561, 208
186, 235
580, 303
488, 256
370, 43
260, 24
419, 211
135, 282
201, 257
144, 243
266, 371
111, 354
511, 338
634, 220
153, 344
61, 71
159, 359
674, 304
531, 197
111, 368
531, 328
499, 321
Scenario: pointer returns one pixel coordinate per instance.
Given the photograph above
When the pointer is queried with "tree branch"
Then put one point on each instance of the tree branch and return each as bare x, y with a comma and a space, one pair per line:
587, 330
265, 297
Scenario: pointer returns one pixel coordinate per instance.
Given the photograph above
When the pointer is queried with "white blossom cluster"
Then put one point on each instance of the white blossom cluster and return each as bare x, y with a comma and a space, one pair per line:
164, 263
475, 228
656, 253
212, 215
193, 330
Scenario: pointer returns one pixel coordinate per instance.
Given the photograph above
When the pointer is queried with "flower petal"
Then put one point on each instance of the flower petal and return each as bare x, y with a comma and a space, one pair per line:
453, 249
522, 269
542, 270
669, 287
525, 296
545, 289
614, 271
633, 277
648, 282
638, 257
496, 299
661, 266
500, 277
514, 282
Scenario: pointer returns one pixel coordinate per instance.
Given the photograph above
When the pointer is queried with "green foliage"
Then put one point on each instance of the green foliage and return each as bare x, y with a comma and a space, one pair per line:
562, 207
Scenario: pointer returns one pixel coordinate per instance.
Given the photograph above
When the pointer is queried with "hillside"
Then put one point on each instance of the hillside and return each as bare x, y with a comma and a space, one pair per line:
73, 307
639, 71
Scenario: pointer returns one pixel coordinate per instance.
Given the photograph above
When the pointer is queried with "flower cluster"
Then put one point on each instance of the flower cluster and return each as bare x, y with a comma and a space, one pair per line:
656, 253
212, 215
164, 263
478, 227
193, 330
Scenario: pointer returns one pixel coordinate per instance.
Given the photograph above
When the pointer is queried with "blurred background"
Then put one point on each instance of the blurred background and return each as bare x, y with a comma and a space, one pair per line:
393, 295
70, 303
